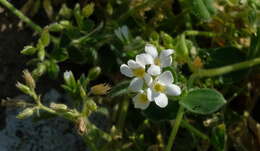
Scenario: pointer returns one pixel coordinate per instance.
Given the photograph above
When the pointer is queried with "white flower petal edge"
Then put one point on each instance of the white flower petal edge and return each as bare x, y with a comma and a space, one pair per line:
165, 78
166, 62
148, 79
154, 70
133, 64
136, 84
125, 70
166, 53
144, 59
161, 100
151, 50
173, 90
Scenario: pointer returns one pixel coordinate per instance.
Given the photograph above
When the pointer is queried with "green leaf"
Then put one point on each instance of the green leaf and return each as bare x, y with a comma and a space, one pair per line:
53, 69
155, 113
120, 89
45, 38
88, 10
203, 101
29, 50
203, 9
60, 54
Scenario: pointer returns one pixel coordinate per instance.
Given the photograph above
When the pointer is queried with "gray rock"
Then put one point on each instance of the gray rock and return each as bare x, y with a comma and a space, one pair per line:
54, 134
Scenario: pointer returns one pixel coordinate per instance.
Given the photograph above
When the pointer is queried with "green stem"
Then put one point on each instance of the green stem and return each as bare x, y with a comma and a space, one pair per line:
175, 128
122, 113
195, 131
18, 13
200, 33
225, 69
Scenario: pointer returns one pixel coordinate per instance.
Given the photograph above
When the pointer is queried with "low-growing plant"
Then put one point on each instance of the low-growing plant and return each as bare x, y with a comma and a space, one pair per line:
189, 61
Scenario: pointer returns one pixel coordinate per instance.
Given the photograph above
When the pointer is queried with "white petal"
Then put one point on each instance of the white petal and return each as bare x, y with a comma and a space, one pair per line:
133, 65
166, 62
166, 78
154, 70
144, 59
139, 104
136, 84
173, 90
148, 79
125, 70
166, 53
149, 94
161, 100
150, 49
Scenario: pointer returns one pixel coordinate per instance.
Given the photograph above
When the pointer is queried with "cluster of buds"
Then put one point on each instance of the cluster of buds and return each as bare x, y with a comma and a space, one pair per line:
149, 81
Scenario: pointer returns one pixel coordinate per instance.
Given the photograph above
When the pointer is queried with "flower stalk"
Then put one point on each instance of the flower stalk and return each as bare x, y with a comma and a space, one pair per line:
175, 128
225, 69
19, 14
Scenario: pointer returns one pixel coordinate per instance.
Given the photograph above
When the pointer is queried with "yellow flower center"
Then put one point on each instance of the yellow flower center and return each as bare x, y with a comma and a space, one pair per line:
143, 98
139, 72
157, 62
159, 88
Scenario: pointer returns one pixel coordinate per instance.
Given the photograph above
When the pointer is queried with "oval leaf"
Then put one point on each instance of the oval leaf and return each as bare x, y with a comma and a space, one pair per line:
203, 101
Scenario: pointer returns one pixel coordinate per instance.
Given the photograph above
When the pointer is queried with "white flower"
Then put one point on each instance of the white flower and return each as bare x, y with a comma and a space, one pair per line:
161, 86
141, 100
137, 69
163, 60
67, 75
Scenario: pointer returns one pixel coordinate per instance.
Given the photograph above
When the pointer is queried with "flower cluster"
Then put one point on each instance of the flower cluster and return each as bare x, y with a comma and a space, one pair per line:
149, 82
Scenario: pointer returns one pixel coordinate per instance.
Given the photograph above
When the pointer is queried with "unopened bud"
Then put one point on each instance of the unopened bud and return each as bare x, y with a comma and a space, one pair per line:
82, 92
90, 105
94, 73
55, 27
40, 70
56, 106
29, 79
100, 89
25, 89
69, 78
81, 125
65, 11
25, 113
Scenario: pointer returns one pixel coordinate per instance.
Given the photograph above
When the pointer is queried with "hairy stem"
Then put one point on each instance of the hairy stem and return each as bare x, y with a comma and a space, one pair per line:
122, 113
225, 69
195, 131
175, 128
19, 14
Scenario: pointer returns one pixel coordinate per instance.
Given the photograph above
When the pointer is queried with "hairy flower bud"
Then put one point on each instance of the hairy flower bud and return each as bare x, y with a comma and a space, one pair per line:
100, 89
25, 89
57, 106
25, 113
29, 79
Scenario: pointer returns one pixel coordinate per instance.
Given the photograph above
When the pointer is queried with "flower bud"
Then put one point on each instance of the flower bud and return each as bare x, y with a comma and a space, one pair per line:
94, 73
82, 92
69, 78
90, 105
29, 79
55, 27
56, 106
100, 89
81, 125
25, 89
25, 113
65, 11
